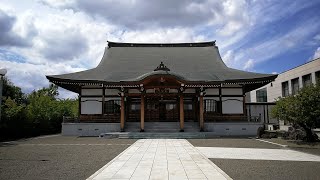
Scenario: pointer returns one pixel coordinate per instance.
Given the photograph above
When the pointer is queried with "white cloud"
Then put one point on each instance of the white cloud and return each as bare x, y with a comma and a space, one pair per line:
249, 65
32, 77
262, 51
67, 35
228, 58
316, 53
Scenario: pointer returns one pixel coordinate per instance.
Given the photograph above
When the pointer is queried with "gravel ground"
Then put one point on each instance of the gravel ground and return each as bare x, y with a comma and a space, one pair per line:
312, 148
228, 142
253, 169
264, 169
58, 157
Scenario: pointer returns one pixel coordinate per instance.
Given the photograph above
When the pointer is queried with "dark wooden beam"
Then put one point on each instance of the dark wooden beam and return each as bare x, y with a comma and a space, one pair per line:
122, 114
142, 114
201, 113
181, 113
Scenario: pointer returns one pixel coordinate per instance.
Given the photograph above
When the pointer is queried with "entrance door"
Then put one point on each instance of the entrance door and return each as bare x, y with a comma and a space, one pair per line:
161, 109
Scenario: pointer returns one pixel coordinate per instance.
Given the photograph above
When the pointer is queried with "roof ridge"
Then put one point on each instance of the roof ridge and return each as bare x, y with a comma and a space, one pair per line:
195, 44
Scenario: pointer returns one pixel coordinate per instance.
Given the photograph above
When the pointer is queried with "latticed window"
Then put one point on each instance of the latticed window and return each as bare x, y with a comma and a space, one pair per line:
295, 86
135, 107
210, 105
170, 106
112, 106
261, 95
187, 106
285, 89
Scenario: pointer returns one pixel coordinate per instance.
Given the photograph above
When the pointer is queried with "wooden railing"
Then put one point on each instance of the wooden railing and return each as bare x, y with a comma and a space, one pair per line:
111, 118
231, 118
106, 118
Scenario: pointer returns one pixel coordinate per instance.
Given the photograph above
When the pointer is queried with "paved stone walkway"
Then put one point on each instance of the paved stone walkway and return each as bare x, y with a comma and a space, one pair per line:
160, 159
257, 154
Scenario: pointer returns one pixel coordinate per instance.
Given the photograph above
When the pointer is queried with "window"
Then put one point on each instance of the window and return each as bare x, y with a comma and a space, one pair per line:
112, 106
135, 107
151, 106
170, 106
187, 106
295, 86
261, 95
306, 80
318, 77
285, 89
210, 105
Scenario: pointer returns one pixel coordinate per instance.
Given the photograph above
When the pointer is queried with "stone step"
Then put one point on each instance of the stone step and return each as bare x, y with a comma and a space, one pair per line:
162, 127
157, 135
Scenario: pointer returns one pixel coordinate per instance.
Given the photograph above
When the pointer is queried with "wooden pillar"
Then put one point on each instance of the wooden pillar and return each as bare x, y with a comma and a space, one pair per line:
181, 114
201, 113
79, 101
122, 114
142, 114
244, 101
220, 99
103, 100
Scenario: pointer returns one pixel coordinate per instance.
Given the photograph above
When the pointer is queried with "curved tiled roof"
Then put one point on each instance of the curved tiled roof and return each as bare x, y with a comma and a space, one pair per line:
190, 61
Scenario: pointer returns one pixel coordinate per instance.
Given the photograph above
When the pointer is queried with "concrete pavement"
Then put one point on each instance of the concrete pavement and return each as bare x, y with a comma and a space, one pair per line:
160, 159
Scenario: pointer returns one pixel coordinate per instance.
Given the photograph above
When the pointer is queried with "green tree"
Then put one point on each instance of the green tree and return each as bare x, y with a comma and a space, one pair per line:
12, 91
14, 122
46, 112
39, 112
302, 109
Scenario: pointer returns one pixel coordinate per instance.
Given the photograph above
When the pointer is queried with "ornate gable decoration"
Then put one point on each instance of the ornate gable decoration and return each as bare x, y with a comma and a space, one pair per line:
162, 67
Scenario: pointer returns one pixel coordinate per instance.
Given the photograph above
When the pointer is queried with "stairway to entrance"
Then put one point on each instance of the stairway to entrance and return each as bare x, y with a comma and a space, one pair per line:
162, 127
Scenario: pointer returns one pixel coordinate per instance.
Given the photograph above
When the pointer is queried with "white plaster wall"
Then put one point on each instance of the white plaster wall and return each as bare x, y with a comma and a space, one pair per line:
111, 92
88, 129
190, 90
91, 92
233, 129
231, 91
275, 90
232, 105
91, 105
173, 90
112, 98
135, 91
214, 98
149, 90
212, 91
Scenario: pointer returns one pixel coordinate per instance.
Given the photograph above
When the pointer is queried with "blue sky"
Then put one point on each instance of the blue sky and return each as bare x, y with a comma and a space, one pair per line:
46, 37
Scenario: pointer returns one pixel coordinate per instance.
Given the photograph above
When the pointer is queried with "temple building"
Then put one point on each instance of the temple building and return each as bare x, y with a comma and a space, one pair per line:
174, 83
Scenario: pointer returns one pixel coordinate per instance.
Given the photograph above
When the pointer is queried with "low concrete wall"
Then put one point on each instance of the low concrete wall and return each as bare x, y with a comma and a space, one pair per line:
88, 129
233, 129
218, 129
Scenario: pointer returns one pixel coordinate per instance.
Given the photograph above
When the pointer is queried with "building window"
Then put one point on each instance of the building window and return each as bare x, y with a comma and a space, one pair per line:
261, 95
295, 86
306, 80
112, 106
187, 106
210, 105
151, 107
135, 107
170, 106
317, 76
285, 89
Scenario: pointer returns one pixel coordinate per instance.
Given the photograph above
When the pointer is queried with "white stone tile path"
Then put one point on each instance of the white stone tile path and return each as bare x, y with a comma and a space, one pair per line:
257, 154
160, 159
